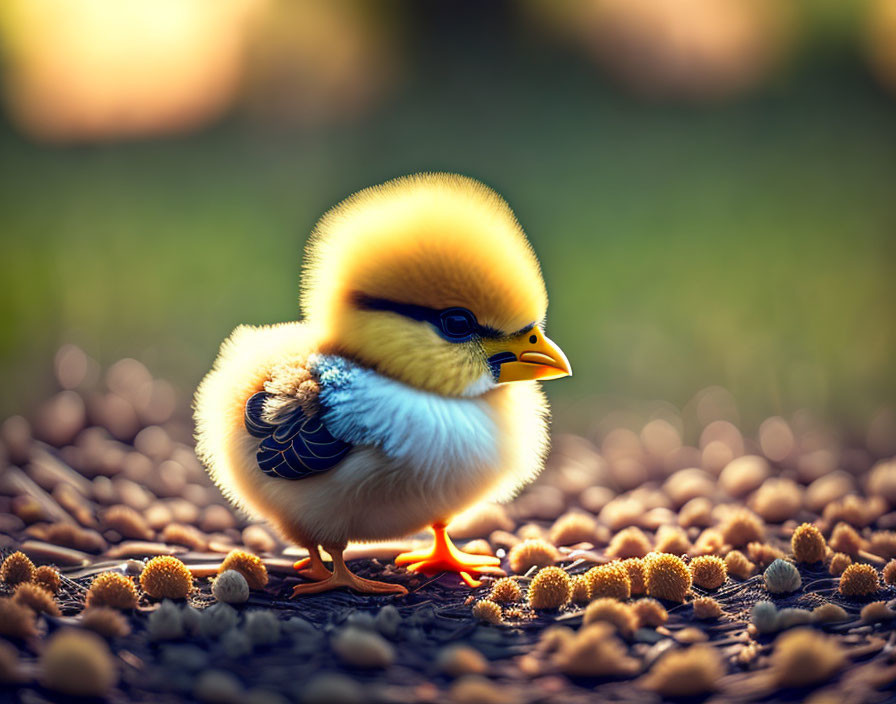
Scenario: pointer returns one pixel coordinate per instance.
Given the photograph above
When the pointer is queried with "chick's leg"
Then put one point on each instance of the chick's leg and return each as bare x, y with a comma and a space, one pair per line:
443, 556
312, 567
342, 576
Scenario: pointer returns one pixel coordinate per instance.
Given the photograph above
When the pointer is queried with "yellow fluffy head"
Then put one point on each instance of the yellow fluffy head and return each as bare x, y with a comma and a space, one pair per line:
434, 240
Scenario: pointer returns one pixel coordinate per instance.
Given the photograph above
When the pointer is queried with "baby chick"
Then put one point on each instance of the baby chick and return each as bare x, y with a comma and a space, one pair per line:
407, 394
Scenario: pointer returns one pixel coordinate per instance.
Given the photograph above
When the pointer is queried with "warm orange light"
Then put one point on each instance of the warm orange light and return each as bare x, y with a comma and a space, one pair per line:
699, 48
96, 69
679, 48
882, 41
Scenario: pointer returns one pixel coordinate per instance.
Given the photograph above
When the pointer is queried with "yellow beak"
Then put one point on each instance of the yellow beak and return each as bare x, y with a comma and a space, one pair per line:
530, 356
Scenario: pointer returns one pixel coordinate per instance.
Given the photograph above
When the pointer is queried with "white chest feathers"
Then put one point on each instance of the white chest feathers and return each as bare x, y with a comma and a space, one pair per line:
426, 431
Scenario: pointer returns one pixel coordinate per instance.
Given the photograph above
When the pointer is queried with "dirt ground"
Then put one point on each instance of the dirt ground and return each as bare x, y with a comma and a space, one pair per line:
103, 480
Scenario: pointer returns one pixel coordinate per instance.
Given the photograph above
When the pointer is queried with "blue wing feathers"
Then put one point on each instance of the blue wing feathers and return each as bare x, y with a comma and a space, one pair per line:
297, 446
255, 424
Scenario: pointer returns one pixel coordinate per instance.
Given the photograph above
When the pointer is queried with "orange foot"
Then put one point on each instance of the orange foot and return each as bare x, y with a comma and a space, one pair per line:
311, 569
343, 577
443, 556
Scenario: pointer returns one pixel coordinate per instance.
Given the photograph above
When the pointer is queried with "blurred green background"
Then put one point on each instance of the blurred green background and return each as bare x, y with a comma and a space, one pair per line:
690, 237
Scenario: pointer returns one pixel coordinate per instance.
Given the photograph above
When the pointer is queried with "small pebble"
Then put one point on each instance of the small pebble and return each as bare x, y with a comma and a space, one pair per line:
475, 688
804, 657
154, 442
776, 438
688, 484
881, 480
192, 618
169, 479
388, 621
60, 419
877, 612
303, 646
217, 619
764, 616
361, 619
15, 432
132, 494
128, 522
182, 510
262, 627
33, 514
157, 402
782, 577
236, 643
187, 657
479, 546
298, 627
777, 500
230, 587
332, 688
696, 513
104, 492
827, 489
691, 635
78, 663
257, 539
594, 498
787, 618
264, 696
183, 534
829, 613
457, 660
216, 518
166, 622
574, 527
621, 512
201, 497
689, 672
743, 475
363, 649
218, 687
481, 520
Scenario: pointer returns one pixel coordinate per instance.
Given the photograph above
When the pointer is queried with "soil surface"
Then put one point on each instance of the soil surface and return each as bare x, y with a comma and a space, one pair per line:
101, 479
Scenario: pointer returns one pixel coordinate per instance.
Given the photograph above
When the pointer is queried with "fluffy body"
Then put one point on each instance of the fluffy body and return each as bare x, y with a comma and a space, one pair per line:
426, 430
419, 457
408, 392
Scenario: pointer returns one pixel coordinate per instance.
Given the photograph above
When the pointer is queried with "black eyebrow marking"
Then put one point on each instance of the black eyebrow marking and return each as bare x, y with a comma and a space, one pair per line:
523, 330
417, 312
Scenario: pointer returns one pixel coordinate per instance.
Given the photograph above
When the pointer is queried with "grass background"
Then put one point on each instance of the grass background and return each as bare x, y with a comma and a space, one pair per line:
750, 245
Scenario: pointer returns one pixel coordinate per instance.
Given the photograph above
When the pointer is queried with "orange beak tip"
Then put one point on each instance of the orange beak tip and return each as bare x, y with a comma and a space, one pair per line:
537, 359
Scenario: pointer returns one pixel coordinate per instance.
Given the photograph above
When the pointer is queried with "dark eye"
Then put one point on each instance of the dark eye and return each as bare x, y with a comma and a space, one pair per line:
457, 324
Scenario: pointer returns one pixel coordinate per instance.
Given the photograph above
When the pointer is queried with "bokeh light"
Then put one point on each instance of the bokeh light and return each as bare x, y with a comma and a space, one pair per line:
699, 49
706, 182
881, 28
98, 69
314, 63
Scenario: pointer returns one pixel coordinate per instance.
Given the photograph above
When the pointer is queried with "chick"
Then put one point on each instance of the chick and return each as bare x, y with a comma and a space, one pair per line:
408, 393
